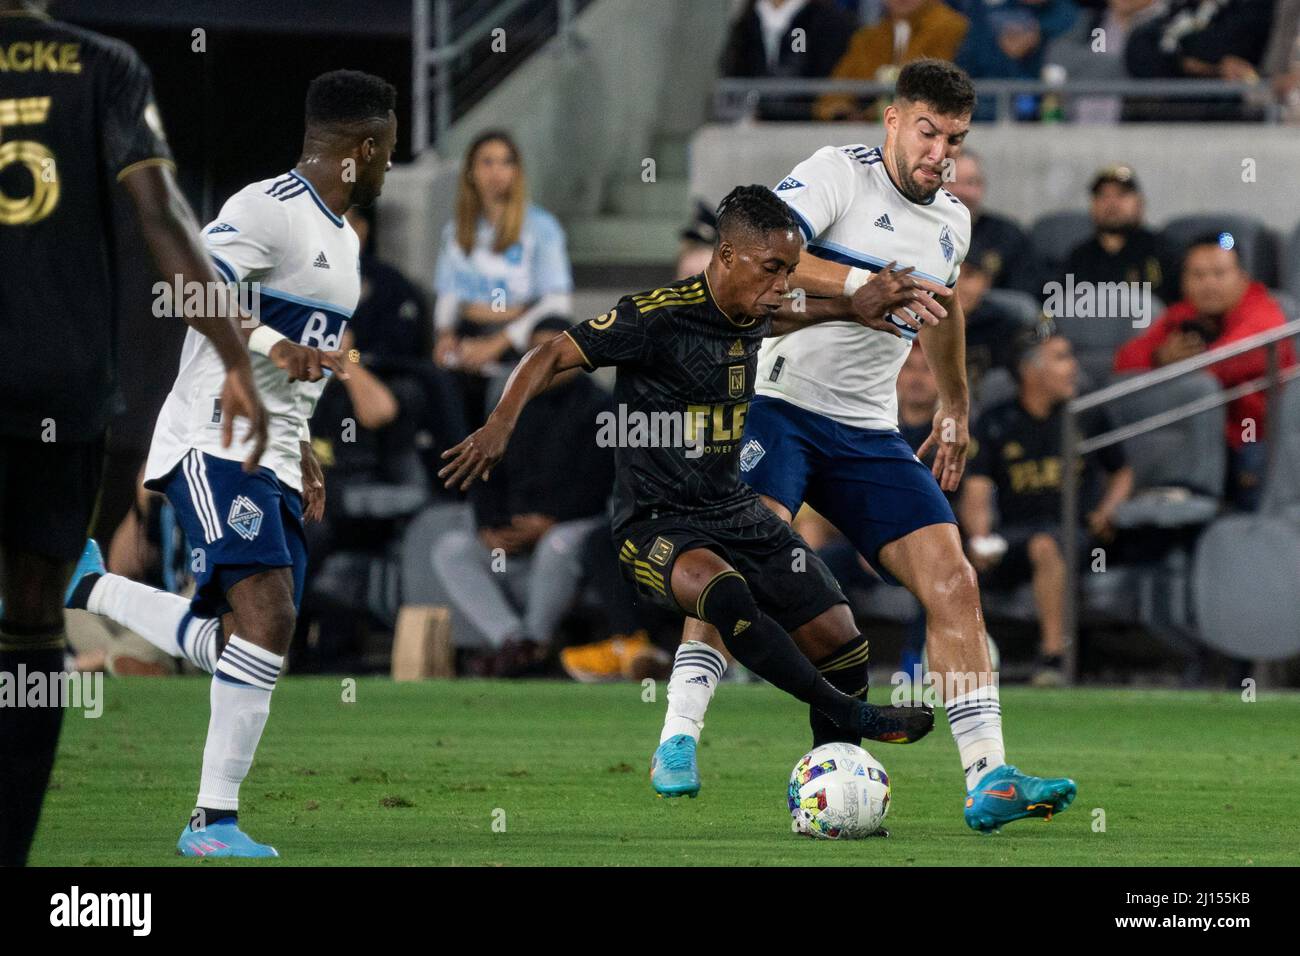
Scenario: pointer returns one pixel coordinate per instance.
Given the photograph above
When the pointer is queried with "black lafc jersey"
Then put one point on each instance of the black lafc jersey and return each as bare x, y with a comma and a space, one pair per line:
76, 114
685, 378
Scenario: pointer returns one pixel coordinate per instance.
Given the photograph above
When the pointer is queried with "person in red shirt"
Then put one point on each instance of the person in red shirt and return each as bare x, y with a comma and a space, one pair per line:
1221, 305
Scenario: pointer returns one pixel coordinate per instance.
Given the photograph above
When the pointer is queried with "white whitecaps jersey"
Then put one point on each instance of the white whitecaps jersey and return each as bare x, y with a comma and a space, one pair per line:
851, 212
280, 234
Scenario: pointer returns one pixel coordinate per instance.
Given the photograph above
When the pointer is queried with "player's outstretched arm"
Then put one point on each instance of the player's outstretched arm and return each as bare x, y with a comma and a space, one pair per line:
911, 299
171, 233
478, 454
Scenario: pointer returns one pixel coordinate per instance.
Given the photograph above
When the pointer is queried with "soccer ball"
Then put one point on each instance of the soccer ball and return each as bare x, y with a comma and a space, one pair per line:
838, 792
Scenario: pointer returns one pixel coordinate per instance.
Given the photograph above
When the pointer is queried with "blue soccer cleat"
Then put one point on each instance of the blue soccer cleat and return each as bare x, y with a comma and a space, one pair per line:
673, 772
1006, 794
90, 562
223, 838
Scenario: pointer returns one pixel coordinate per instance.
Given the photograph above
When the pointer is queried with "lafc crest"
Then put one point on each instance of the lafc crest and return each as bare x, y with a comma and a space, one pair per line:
736, 381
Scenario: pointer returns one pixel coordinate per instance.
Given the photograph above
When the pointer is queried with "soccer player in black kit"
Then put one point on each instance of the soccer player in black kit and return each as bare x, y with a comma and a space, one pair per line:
690, 534
77, 117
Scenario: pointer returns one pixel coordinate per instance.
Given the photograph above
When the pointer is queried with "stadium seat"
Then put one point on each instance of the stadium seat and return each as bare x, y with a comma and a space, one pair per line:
1281, 492
1054, 236
1256, 246
1027, 309
1095, 342
1179, 469
1245, 577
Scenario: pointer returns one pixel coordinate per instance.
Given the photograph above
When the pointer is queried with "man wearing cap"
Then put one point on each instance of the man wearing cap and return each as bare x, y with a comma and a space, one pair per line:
1123, 250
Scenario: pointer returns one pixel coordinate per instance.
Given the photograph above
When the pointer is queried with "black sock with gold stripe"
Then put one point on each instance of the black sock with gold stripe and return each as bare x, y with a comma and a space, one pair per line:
761, 645
846, 670
29, 735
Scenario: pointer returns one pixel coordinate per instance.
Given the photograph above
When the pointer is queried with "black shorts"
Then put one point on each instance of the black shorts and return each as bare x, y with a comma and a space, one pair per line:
48, 495
789, 582
1016, 567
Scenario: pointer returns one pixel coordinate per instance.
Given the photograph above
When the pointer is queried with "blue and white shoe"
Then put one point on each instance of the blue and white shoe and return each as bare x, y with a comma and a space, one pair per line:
673, 772
90, 562
1006, 794
223, 838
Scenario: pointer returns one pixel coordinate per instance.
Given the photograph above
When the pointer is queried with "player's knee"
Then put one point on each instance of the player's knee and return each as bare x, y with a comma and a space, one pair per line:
1044, 551
950, 585
271, 626
727, 603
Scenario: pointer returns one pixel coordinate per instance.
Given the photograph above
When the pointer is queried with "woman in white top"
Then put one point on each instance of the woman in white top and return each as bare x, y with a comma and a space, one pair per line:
503, 264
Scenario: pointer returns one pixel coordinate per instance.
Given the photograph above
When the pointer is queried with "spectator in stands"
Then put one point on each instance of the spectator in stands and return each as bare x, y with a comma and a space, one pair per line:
393, 331
909, 30
363, 441
990, 326
1017, 463
1080, 55
392, 317
698, 240
502, 267
763, 42
1007, 37
997, 244
1203, 38
517, 576
1221, 305
1123, 249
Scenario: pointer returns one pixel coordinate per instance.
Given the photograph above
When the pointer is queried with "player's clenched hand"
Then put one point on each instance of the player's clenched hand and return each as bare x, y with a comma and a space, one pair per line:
476, 455
239, 397
313, 484
897, 291
306, 364
951, 436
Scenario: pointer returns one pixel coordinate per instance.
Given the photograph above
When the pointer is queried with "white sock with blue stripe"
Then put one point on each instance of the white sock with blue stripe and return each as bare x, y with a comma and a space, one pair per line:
241, 702
976, 723
160, 617
697, 669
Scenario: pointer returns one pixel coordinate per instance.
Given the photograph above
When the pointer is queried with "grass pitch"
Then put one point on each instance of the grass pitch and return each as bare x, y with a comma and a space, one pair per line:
548, 773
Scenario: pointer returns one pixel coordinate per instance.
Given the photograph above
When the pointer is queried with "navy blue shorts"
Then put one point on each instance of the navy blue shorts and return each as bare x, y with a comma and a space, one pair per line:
236, 525
866, 482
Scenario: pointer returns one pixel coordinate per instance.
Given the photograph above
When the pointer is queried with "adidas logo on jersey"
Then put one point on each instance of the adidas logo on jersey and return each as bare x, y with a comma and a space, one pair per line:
737, 349
321, 262
741, 625
884, 223
699, 680
245, 517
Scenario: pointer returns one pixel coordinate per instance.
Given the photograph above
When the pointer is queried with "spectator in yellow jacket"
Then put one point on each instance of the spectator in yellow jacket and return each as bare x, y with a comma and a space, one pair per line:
909, 30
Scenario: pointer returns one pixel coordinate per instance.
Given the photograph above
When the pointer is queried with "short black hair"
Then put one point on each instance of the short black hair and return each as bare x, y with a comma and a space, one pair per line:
1221, 240
754, 210
940, 84
1028, 341
341, 97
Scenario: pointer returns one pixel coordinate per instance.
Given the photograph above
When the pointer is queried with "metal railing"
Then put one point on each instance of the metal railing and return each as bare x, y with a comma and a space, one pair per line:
736, 98
1074, 446
440, 40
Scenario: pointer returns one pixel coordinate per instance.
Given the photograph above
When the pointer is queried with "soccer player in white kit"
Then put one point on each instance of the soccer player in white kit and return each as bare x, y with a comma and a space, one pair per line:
245, 530
823, 429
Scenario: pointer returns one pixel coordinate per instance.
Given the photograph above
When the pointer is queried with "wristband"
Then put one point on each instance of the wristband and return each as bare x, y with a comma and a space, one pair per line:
855, 280
263, 339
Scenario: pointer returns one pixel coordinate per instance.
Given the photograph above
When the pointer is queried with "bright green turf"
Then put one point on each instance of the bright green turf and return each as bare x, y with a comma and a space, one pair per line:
411, 774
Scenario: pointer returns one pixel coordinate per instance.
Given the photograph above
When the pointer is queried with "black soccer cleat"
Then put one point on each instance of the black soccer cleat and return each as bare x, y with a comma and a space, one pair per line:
893, 725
